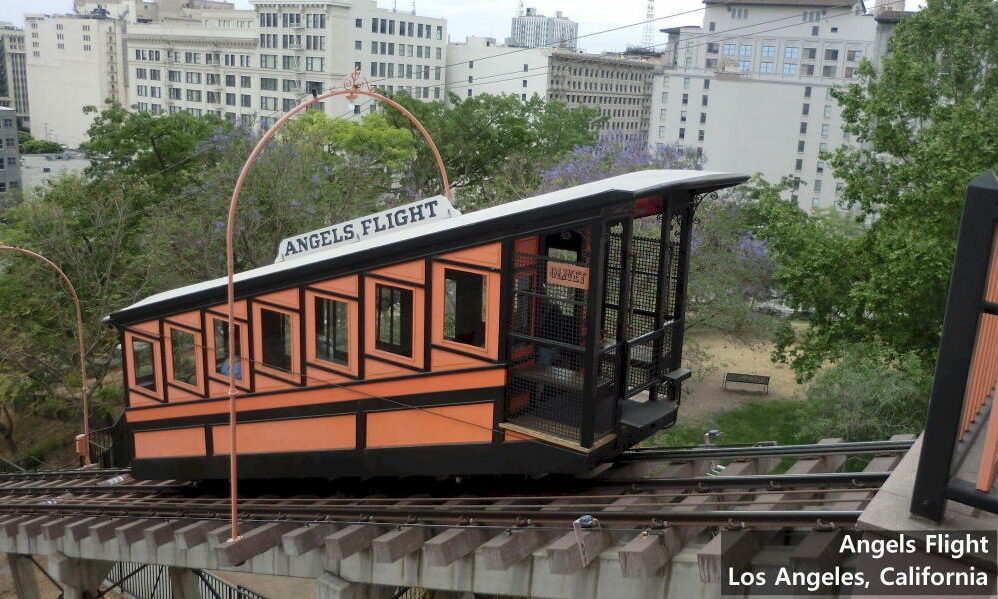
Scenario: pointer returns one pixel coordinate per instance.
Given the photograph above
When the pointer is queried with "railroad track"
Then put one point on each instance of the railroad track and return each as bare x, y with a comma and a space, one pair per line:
644, 489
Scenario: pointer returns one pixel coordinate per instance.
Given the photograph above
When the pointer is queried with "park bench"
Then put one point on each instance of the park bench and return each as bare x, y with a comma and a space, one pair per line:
748, 379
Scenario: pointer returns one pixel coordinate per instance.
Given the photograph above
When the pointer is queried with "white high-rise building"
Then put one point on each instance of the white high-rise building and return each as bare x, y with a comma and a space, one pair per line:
619, 87
13, 72
72, 61
533, 30
751, 88
256, 64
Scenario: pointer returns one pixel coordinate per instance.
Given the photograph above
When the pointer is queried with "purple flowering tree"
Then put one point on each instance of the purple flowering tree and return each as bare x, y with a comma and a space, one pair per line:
730, 269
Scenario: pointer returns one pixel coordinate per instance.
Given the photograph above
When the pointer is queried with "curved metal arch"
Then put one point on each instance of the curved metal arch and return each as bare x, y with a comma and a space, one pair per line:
354, 81
79, 334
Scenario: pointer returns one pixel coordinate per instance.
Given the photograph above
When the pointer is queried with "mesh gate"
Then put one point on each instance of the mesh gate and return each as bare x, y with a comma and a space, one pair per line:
545, 389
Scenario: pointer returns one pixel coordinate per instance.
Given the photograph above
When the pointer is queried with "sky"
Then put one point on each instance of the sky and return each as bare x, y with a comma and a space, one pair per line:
490, 18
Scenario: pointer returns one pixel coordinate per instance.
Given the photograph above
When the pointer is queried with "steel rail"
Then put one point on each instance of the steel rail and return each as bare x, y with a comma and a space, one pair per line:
458, 515
758, 451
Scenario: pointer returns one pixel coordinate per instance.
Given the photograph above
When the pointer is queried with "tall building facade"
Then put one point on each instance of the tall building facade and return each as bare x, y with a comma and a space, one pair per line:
532, 30
254, 65
72, 61
619, 87
750, 90
10, 158
14, 73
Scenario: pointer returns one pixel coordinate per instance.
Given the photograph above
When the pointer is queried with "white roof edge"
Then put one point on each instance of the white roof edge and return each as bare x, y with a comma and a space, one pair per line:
630, 182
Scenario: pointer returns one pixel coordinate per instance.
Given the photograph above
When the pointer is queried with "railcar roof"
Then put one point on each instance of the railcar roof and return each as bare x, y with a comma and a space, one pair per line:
634, 184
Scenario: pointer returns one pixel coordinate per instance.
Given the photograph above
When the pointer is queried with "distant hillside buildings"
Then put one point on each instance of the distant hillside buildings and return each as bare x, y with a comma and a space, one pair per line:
749, 89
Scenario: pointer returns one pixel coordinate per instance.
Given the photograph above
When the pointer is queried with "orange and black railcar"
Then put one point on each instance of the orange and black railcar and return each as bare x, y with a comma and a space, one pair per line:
540, 336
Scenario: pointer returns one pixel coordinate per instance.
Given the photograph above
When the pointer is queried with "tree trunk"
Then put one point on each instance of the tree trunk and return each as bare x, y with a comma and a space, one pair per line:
7, 429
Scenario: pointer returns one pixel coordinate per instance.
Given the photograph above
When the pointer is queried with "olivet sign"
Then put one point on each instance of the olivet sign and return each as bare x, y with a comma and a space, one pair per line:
401, 217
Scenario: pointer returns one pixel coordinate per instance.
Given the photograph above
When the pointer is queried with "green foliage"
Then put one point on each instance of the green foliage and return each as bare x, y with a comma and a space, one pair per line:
30, 145
494, 147
767, 420
924, 128
864, 397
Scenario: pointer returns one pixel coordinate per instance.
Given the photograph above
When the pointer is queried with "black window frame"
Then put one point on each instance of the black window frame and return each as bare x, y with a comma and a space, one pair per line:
336, 356
192, 379
390, 296
267, 340
469, 329
152, 365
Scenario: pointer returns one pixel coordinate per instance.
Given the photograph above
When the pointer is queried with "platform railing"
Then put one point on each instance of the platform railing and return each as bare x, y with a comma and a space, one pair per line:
959, 454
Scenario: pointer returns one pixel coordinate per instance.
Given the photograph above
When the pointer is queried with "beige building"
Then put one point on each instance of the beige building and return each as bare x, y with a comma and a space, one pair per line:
619, 87
73, 61
10, 158
13, 72
254, 65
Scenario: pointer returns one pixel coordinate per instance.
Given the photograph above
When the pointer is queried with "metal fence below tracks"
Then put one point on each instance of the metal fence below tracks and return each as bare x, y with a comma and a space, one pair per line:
148, 581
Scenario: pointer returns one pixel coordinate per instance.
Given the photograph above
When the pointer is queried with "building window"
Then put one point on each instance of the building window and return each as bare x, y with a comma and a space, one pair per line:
805, 109
800, 146
791, 52
143, 364
729, 49
744, 65
703, 100
768, 51
739, 13
394, 319
828, 71
711, 63
825, 129
465, 308
798, 164
268, 103
331, 331
268, 83
275, 331
854, 55
184, 357
246, 100
789, 68
245, 81
682, 116
807, 91
820, 167
765, 67
810, 53
173, 76
828, 111
700, 135
814, 31
682, 133
713, 47
817, 185
358, 23
803, 127
831, 54
703, 118
807, 69
745, 50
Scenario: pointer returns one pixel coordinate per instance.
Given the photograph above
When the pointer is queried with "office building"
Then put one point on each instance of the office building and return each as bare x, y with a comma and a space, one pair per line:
751, 89
10, 158
617, 86
532, 30
13, 73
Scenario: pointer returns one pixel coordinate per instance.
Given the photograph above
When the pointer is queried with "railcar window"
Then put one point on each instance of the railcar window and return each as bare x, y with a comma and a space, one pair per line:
275, 327
331, 322
142, 360
464, 307
394, 324
184, 354
222, 348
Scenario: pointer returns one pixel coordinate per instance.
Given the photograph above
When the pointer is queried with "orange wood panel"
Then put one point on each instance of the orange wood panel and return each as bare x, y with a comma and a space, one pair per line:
515, 436
157, 368
345, 285
353, 345
285, 297
224, 309
479, 379
265, 382
304, 434
445, 360
175, 394
318, 376
414, 271
191, 319
527, 245
489, 254
370, 329
186, 390
150, 327
376, 369
170, 443
214, 349
469, 423
491, 349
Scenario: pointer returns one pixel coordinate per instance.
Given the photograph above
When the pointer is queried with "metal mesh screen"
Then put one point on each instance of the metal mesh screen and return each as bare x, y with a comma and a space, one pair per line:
545, 384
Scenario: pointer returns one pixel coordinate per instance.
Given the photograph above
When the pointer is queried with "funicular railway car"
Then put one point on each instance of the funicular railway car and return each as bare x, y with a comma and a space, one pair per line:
539, 336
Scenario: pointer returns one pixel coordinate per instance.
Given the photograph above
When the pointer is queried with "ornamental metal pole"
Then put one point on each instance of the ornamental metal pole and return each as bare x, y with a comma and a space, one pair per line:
79, 336
353, 85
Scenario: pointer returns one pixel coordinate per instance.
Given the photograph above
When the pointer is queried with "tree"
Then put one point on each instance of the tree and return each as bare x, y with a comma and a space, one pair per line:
30, 145
730, 270
494, 147
922, 128
89, 229
166, 151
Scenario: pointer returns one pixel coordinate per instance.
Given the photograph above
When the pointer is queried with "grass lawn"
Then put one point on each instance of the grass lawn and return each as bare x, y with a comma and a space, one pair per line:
759, 420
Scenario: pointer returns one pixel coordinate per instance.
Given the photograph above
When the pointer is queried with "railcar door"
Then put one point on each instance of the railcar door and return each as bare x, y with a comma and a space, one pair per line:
545, 390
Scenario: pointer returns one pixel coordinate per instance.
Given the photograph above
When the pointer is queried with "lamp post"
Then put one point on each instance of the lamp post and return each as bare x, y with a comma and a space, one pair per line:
353, 85
79, 338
